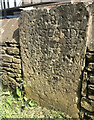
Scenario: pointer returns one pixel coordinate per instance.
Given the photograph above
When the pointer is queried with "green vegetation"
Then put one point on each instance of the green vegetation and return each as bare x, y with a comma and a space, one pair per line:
13, 107
18, 106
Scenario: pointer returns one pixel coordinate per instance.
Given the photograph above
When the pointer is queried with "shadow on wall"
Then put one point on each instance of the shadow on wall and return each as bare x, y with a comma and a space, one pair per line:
16, 35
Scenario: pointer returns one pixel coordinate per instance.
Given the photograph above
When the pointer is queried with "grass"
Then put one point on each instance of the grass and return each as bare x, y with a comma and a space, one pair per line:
13, 107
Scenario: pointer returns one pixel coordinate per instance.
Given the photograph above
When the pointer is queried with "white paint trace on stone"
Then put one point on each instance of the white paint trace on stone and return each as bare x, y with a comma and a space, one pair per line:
28, 8
1, 31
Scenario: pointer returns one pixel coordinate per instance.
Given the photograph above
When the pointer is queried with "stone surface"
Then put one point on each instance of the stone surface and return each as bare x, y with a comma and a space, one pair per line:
91, 89
53, 44
8, 69
2, 51
87, 104
90, 57
16, 66
12, 51
4, 79
6, 64
13, 45
91, 117
7, 58
10, 74
91, 97
90, 46
84, 84
90, 67
12, 82
17, 71
15, 60
18, 79
9, 31
11, 59
91, 79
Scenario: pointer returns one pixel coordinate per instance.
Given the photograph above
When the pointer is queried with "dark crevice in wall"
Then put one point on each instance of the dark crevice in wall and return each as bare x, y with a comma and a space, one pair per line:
21, 59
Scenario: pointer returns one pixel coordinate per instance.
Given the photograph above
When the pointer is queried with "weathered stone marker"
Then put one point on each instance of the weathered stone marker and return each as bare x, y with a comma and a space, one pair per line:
53, 47
56, 56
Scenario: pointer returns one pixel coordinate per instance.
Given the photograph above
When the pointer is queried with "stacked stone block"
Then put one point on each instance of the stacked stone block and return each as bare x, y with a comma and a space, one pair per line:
11, 64
10, 67
87, 100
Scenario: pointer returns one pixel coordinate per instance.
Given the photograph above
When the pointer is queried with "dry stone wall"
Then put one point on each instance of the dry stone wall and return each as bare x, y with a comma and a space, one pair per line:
87, 92
87, 100
11, 64
53, 47
10, 67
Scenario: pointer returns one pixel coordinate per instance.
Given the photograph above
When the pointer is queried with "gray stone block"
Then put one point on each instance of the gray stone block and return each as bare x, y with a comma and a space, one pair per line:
90, 57
91, 79
7, 58
84, 84
91, 89
87, 104
90, 67
12, 51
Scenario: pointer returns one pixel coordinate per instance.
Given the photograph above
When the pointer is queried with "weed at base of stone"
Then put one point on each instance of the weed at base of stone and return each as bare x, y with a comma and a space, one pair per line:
13, 107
